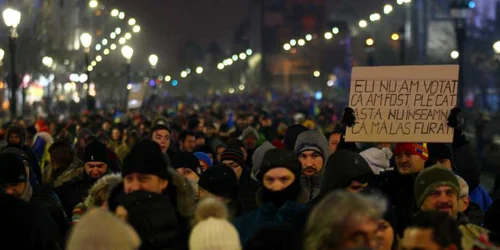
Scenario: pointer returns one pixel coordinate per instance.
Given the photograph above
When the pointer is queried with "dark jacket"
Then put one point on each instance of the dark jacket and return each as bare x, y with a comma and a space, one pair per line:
474, 214
72, 187
25, 226
247, 192
48, 200
156, 220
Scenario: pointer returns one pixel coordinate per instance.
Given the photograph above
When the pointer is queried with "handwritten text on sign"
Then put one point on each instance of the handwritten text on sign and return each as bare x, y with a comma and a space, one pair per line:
403, 104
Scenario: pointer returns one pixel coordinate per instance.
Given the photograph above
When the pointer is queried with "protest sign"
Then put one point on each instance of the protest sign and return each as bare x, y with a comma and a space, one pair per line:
402, 103
136, 96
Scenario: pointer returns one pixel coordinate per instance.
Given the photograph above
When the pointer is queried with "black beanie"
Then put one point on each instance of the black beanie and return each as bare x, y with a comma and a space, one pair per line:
145, 157
12, 169
233, 154
186, 160
219, 180
279, 158
291, 135
158, 127
95, 151
438, 151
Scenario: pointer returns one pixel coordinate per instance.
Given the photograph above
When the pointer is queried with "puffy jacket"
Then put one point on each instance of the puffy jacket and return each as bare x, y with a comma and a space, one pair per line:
48, 200
72, 187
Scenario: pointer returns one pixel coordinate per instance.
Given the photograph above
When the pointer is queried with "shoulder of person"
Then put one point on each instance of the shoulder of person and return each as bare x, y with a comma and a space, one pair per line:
68, 176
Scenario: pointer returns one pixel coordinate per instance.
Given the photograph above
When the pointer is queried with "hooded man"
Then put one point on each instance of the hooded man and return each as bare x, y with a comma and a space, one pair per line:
16, 137
189, 166
250, 138
437, 188
279, 195
312, 150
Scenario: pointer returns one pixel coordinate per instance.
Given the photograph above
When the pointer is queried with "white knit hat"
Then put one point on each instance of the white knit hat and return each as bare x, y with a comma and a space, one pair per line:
213, 231
378, 159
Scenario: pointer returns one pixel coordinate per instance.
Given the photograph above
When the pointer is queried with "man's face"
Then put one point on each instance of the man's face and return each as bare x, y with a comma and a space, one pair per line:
278, 179
96, 169
419, 238
106, 126
266, 122
445, 163
188, 144
15, 190
251, 142
115, 134
199, 142
14, 139
162, 137
360, 235
356, 187
238, 170
189, 174
311, 161
408, 163
385, 235
333, 142
146, 182
219, 152
241, 123
443, 199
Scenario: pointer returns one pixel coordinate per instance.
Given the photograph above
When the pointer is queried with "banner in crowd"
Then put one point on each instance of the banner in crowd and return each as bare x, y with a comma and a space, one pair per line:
136, 96
402, 103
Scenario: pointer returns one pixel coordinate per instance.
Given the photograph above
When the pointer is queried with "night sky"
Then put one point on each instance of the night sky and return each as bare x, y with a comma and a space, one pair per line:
167, 24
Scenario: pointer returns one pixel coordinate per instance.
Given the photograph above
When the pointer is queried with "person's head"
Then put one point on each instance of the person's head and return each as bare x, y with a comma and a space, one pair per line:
199, 139
83, 137
344, 220
219, 181
205, 160
437, 188
279, 174
95, 158
161, 135
14, 174
144, 168
439, 153
432, 230
464, 199
333, 141
386, 233
16, 136
265, 120
209, 130
116, 134
106, 125
233, 158
187, 164
250, 137
218, 152
312, 150
241, 122
378, 159
411, 157
235, 143
30, 136
61, 155
187, 141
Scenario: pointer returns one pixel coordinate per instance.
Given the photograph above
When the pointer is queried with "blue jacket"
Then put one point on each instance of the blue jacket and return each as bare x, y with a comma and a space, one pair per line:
480, 197
267, 216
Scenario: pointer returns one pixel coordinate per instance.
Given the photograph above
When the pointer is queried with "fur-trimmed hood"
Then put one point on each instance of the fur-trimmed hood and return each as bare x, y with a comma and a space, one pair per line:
184, 197
103, 184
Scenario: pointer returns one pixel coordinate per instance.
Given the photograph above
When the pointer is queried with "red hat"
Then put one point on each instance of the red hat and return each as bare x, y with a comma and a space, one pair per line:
419, 149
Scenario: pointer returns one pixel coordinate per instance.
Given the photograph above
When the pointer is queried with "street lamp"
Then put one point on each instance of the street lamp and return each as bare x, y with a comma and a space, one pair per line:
459, 11
153, 61
12, 18
370, 51
93, 4
131, 22
2, 54
388, 9
454, 55
128, 52
199, 70
86, 41
136, 28
47, 61
363, 23
496, 47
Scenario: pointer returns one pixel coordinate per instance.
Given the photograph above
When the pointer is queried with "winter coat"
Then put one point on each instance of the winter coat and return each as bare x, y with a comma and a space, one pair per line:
480, 197
156, 220
473, 215
33, 161
247, 192
314, 138
72, 187
267, 216
41, 145
48, 200
26, 226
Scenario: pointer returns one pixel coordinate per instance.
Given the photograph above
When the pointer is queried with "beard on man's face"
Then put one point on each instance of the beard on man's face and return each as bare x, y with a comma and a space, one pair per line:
309, 171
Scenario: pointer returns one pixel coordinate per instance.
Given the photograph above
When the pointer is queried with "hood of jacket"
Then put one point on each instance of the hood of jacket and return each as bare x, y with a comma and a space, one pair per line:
257, 158
182, 194
102, 185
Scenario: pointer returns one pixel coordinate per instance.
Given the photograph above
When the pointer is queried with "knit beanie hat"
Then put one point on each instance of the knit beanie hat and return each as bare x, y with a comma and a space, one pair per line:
279, 158
419, 149
99, 229
204, 158
219, 180
438, 151
249, 132
12, 169
233, 154
146, 157
95, 151
213, 231
186, 160
431, 178
377, 159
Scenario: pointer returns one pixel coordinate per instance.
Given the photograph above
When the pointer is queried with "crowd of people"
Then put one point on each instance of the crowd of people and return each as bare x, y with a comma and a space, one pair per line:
205, 178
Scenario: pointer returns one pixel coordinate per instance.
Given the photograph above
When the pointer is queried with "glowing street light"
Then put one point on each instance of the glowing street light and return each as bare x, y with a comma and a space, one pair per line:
90, 68
335, 30
454, 54
241, 87
93, 63
2, 54
235, 58
122, 40
127, 52
328, 35
93, 4
168, 78
287, 46
370, 42
199, 70
363, 23
399, 2
47, 61
98, 58
131, 21
128, 35
316, 73
293, 42
395, 36
496, 47
115, 12
112, 46
98, 47
309, 37
106, 52
243, 56
249, 52
86, 40
136, 29
118, 30
121, 15
153, 60
104, 42
375, 17
184, 74
388, 9
301, 42
231, 90
220, 66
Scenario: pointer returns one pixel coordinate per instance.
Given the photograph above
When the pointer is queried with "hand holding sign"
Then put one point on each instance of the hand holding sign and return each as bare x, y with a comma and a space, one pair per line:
402, 103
